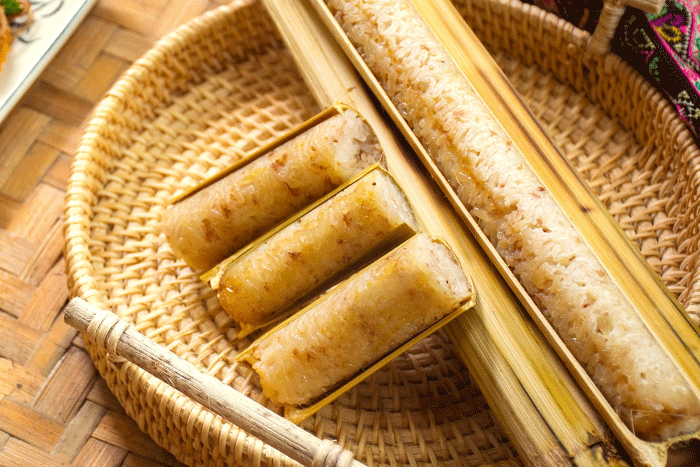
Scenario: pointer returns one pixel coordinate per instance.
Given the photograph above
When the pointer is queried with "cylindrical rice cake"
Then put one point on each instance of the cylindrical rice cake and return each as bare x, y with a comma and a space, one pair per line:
215, 222
361, 320
293, 261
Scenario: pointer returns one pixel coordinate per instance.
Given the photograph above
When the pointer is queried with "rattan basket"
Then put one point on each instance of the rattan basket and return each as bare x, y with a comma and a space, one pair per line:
224, 85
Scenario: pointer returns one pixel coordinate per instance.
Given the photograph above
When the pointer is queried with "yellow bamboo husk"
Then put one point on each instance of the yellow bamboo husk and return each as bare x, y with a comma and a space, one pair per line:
652, 304
537, 403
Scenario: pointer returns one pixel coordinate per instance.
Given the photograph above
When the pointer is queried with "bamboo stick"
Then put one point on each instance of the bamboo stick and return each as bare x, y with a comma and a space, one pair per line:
122, 340
545, 415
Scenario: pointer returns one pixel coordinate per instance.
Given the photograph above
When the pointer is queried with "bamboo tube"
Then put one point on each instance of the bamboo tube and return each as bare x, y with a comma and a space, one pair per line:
614, 249
657, 307
122, 340
543, 412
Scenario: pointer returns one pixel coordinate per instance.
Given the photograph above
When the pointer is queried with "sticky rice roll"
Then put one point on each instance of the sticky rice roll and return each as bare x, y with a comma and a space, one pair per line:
361, 320
213, 223
370, 213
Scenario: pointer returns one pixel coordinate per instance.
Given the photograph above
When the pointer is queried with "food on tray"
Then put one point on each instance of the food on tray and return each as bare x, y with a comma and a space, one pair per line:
370, 212
360, 320
524, 222
15, 15
214, 222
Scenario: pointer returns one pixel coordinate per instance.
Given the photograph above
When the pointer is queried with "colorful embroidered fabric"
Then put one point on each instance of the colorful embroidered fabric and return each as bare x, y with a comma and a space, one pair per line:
663, 47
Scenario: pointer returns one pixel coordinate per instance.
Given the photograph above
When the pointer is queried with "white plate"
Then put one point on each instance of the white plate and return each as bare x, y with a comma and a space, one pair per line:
54, 22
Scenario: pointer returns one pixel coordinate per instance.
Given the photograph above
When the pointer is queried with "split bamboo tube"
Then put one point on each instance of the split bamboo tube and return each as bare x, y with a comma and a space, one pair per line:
122, 341
654, 305
540, 407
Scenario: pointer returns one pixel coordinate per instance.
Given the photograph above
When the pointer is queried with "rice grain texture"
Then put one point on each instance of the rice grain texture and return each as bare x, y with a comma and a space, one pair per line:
269, 278
361, 320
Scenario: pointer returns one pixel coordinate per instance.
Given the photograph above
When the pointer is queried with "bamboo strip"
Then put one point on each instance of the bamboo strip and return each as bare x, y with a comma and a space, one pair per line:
123, 341
544, 413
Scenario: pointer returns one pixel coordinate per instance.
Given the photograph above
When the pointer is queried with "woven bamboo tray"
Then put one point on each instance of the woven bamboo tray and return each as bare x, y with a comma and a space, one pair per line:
224, 85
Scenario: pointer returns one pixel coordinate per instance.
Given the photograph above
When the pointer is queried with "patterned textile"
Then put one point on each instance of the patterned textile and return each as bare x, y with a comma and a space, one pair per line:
663, 47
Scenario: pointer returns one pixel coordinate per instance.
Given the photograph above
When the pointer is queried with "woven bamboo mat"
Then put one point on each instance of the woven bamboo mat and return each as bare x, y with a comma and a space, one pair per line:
54, 409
